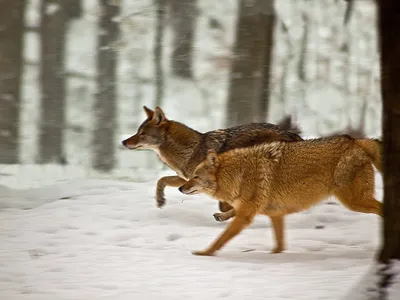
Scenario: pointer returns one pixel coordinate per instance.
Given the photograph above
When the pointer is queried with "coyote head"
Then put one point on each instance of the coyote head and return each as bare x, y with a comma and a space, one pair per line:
204, 178
151, 132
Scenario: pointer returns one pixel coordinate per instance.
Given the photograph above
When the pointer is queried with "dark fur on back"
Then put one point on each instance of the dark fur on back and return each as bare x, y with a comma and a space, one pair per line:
242, 136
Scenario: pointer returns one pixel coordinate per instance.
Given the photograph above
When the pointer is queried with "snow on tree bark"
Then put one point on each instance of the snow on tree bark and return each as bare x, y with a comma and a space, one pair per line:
52, 81
103, 142
11, 47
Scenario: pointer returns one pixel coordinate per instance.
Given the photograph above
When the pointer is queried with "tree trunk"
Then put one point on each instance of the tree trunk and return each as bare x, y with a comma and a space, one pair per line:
248, 79
158, 54
74, 9
11, 62
383, 283
105, 103
389, 26
267, 66
53, 89
184, 17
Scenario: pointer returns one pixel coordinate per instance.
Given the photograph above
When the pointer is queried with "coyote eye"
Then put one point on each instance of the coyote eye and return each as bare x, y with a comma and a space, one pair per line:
142, 133
195, 177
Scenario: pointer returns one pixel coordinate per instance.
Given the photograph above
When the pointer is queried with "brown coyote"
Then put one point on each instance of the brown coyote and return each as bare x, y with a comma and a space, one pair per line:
182, 148
280, 178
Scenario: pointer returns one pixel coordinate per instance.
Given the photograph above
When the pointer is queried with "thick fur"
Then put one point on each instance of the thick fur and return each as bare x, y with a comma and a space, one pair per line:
280, 178
182, 148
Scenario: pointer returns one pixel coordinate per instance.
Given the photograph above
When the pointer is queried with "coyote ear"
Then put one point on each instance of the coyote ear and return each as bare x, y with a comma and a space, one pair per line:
159, 115
212, 157
148, 111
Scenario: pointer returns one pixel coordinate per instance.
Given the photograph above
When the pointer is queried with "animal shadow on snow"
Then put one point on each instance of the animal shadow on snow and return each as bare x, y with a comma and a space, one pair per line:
200, 217
264, 257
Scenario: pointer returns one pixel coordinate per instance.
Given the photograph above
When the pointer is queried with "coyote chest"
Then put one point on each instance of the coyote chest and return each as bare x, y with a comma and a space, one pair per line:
172, 165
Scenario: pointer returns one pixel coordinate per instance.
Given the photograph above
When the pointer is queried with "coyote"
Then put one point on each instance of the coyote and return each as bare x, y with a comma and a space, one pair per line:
182, 148
280, 178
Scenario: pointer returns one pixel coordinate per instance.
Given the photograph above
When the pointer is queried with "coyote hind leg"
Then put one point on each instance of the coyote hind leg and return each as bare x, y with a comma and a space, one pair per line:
358, 194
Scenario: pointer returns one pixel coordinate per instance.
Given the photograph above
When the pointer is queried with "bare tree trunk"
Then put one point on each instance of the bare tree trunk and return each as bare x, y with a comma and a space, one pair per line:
106, 98
301, 66
184, 17
158, 54
251, 62
389, 26
52, 72
11, 63
75, 9
267, 66
384, 282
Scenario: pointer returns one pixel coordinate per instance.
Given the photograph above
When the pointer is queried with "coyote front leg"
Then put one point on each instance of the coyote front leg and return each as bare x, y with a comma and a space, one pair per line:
225, 216
234, 228
173, 181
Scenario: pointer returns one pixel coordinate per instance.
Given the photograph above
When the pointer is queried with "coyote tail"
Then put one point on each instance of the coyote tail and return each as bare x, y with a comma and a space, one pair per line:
373, 147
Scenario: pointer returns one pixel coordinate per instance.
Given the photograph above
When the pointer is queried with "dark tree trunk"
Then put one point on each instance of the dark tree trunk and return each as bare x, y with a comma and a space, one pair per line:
249, 82
380, 285
184, 17
158, 54
11, 58
74, 8
53, 89
106, 98
389, 26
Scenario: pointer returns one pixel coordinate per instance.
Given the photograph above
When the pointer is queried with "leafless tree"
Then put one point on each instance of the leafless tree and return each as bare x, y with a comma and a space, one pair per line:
266, 67
249, 79
158, 53
389, 26
105, 103
184, 17
53, 29
75, 9
11, 62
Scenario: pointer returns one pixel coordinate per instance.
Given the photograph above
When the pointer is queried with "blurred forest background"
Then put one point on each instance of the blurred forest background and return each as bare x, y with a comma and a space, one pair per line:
76, 73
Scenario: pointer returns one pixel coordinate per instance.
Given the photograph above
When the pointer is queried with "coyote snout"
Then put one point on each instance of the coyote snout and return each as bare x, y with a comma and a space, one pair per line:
188, 190
132, 143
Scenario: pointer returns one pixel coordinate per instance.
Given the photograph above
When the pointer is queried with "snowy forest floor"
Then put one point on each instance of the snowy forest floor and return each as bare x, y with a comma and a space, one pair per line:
105, 239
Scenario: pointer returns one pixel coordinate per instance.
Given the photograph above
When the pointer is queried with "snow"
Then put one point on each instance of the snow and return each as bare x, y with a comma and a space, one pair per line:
394, 289
99, 238
52, 8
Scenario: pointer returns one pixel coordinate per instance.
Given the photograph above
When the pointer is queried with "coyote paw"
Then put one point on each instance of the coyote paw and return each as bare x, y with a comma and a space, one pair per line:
219, 217
160, 201
203, 253
276, 250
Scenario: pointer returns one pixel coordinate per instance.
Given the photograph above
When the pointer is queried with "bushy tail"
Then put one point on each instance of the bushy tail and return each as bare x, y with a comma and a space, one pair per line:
373, 147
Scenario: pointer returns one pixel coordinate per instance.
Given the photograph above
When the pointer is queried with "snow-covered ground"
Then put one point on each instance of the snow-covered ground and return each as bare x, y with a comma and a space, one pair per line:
105, 239
69, 233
